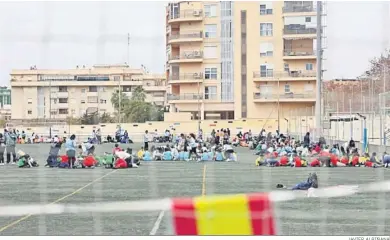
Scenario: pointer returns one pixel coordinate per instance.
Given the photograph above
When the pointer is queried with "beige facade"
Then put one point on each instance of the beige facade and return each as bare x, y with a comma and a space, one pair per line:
238, 60
58, 94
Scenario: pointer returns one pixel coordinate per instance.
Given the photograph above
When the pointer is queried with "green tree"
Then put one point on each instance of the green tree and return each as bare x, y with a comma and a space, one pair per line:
124, 100
138, 94
136, 109
106, 118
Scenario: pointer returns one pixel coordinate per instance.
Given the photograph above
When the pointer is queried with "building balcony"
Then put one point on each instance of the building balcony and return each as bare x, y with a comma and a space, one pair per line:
57, 94
286, 97
185, 37
298, 54
74, 83
292, 75
168, 30
185, 98
154, 88
192, 15
187, 57
310, 33
186, 78
291, 10
92, 94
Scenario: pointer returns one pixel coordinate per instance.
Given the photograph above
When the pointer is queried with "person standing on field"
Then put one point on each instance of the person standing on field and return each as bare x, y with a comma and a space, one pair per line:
10, 142
146, 141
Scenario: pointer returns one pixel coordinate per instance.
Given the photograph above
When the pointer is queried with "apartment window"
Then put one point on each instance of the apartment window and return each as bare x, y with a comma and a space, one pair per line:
92, 99
29, 112
210, 93
210, 73
309, 66
53, 112
29, 101
266, 29
210, 10
286, 67
126, 89
92, 89
117, 78
63, 100
82, 101
265, 9
63, 111
266, 70
210, 52
63, 89
266, 49
307, 19
210, 31
83, 90
287, 88
103, 101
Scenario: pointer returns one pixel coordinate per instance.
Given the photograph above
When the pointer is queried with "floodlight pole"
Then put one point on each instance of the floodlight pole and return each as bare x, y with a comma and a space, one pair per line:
319, 67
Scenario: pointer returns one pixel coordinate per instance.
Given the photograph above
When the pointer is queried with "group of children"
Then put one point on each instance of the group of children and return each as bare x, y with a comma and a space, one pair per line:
203, 152
85, 158
317, 156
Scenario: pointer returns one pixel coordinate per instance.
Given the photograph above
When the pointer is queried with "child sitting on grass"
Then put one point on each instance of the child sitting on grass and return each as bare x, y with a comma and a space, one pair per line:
140, 154
147, 156
25, 160
205, 156
167, 154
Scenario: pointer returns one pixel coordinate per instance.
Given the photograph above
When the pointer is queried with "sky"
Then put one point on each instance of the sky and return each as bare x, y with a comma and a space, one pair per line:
65, 34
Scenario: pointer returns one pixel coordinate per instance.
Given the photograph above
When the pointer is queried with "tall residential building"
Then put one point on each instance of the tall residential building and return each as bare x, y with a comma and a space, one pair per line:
58, 94
236, 60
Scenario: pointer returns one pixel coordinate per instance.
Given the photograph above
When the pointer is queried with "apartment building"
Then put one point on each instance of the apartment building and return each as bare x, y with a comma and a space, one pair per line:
58, 94
237, 60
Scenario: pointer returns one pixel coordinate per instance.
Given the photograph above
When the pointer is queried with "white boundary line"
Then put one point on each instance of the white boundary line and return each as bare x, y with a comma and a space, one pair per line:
157, 224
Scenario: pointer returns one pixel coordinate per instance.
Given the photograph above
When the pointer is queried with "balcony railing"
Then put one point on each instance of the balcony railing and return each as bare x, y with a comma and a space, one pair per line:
284, 74
188, 55
185, 96
292, 9
186, 76
186, 35
193, 13
258, 95
298, 53
300, 31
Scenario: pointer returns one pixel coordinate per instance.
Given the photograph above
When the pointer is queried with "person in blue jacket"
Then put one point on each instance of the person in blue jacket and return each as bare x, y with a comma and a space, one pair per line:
147, 156
167, 154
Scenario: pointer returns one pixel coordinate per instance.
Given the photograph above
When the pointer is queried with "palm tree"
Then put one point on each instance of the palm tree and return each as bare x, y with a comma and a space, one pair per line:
115, 100
138, 94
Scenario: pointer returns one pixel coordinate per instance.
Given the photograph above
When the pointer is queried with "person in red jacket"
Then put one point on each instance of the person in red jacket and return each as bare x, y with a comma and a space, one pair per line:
315, 163
334, 159
297, 162
89, 162
344, 160
120, 163
283, 161
355, 160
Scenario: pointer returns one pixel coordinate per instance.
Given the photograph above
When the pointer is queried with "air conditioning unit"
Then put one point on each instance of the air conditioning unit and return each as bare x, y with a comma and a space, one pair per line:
197, 76
197, 54
196, 13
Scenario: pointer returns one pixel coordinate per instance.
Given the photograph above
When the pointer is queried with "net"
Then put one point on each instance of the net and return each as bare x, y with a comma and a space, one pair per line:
141, 201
